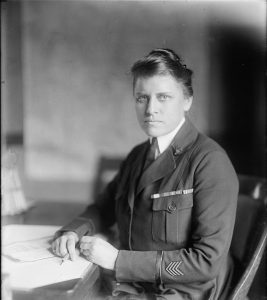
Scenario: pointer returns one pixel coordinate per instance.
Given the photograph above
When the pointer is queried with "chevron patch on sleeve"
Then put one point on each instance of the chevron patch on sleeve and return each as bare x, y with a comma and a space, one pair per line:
173, 268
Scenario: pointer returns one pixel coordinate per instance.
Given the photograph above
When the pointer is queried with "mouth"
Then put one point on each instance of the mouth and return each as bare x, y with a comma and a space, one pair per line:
154, 122
150, 120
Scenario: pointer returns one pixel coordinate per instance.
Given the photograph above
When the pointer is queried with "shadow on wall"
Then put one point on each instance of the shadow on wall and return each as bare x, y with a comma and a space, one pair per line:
241, 95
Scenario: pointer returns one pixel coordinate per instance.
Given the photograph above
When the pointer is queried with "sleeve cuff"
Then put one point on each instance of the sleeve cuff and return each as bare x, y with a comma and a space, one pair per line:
81, 226
158, 276
133, 266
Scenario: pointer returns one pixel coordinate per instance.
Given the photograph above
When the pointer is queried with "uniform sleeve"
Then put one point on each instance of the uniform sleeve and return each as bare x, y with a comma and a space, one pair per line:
213, 217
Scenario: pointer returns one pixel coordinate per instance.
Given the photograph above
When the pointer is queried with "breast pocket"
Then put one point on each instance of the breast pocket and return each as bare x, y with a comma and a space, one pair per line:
171, 218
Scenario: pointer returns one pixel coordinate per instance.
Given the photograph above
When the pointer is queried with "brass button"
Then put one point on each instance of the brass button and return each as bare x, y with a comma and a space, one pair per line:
172, 207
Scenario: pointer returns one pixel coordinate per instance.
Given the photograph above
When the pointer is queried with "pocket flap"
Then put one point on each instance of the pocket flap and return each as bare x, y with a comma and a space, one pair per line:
173, 203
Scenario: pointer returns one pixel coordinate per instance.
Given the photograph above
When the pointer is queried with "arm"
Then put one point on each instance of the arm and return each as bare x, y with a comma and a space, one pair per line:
95, 218
101, 215
215, 198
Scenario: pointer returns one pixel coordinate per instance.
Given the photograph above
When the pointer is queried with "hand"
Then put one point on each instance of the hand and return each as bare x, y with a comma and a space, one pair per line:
99, 251
65, 244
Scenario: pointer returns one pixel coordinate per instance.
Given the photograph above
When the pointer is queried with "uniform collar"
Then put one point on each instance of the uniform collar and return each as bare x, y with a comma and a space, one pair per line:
184, 138
164, 141
167, 161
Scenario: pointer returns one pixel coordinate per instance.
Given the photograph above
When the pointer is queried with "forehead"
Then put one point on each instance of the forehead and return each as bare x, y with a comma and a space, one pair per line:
157, 83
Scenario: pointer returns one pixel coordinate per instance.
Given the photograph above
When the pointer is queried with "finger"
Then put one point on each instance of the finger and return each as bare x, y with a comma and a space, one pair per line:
85, 246
62, 249
87, 243
86, 239
87, 254
52, 249
71, 248
56, 246
53, 245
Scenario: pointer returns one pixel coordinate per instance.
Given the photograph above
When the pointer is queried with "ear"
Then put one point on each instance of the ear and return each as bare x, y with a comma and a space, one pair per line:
187, 103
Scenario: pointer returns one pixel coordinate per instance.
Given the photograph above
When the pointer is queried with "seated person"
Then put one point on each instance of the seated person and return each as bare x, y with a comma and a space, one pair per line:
174, 199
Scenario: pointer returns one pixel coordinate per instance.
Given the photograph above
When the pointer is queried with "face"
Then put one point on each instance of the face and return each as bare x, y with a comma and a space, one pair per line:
160, 104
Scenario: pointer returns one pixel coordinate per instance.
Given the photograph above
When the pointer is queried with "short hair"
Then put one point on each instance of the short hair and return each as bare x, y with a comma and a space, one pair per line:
164, 61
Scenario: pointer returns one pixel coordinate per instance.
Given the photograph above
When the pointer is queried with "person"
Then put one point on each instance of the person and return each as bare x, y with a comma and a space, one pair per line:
174, 199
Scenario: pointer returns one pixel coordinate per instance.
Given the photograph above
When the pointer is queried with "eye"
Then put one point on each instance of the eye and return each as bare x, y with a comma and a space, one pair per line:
163, 97
141, 99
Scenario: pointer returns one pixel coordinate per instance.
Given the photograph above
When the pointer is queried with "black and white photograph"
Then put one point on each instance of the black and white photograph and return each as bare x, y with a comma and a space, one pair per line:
133, 162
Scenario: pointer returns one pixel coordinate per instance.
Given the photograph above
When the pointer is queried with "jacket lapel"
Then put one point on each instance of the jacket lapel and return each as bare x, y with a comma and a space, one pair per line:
135, 173
163, 165
166, 162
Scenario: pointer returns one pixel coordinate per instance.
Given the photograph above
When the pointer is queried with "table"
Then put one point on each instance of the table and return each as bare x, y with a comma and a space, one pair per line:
56, 213
46, 213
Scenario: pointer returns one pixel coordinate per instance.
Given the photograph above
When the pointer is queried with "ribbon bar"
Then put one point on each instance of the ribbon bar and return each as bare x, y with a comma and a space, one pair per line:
172, 193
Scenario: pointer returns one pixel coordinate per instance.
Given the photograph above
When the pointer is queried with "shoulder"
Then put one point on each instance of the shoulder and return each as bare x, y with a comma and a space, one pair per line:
205, 144
207, 147
197, 144
212, 162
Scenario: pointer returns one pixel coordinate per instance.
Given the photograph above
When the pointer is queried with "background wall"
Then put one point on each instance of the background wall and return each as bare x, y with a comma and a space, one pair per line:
81, 101
11, 71
69, 91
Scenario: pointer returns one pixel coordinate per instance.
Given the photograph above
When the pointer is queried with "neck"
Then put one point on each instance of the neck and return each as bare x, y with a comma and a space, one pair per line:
165, 140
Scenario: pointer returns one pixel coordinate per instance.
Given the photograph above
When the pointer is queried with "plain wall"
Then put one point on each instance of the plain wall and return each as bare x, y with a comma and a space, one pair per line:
11, 69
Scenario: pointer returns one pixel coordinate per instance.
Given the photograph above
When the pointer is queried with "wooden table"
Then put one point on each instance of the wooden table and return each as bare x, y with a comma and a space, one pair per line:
46, 213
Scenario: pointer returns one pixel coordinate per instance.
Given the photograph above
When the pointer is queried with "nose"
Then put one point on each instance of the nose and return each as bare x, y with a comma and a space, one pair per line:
151, 107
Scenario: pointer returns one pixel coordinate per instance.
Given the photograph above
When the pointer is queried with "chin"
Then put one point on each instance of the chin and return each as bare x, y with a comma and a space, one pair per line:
152, 133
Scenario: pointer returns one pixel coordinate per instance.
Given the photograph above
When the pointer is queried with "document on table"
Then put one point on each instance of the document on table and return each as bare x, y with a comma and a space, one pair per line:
36, 266
30, 250
45, 272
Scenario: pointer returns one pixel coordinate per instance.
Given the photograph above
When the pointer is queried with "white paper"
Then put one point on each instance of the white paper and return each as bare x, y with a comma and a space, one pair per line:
29, 275
31, 250
21, 233
49, 271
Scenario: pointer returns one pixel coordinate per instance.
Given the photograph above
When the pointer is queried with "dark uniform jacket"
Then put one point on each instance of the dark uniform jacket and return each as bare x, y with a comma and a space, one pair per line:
175, 218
